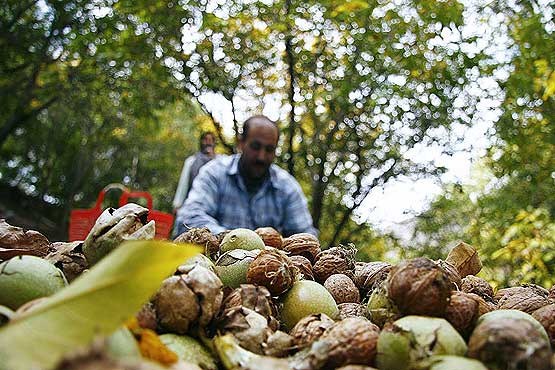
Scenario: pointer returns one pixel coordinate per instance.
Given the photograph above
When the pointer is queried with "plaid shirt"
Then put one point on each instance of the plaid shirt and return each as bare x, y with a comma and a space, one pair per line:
219, 200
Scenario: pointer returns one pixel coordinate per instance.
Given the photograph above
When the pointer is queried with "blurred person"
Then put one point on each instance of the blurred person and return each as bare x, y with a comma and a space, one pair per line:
247, 190
190, 170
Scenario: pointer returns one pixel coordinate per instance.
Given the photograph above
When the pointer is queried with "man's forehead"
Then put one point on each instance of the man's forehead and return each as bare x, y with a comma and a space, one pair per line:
261, 128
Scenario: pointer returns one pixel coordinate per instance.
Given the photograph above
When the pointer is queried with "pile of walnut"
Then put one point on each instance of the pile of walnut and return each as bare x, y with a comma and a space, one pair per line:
255, 300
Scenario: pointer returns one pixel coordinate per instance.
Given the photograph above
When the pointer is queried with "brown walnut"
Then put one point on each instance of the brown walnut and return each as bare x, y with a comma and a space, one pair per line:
270, 236
369, 275
204, 238
309, 329
335, 260
527, 298
546, 316
256, 298
302, 244
272, 269
462, 312
342, 289
303, 266
351, 310
477, 285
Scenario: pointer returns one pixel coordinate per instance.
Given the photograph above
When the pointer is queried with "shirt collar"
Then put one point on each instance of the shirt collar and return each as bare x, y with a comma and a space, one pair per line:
233, 170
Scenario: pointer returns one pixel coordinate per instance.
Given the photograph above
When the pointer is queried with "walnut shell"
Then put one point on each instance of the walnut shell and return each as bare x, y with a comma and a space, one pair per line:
335, 260
546, 316
272, 269
351, 310
465, 259
484, 306
526, 298
256, 298
146, 317
342, 289
552, 292
462, 312
302, 244
477, 285
270, 236
309, 329
368, 275
203, 237
353, 340
419, 287
452, 274
303, 266
15, 241
279, 344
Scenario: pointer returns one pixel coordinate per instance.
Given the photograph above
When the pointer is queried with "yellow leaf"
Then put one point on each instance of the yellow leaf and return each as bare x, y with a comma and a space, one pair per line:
97, 303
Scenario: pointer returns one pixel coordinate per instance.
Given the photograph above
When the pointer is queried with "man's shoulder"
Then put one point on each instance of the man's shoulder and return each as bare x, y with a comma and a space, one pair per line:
219, 165
283, 179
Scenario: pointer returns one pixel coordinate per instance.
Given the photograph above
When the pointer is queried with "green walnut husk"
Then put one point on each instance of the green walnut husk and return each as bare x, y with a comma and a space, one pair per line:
381, 308
241, 239
122, 344
232, 266
411, 339
305, 298
25, 278
450, 363
189, 350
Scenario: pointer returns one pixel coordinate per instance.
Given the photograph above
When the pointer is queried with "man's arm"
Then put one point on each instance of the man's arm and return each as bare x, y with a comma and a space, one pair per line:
201, 206
297, 216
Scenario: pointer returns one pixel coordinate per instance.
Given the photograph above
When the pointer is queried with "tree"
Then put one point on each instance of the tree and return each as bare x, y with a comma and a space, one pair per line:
360, 84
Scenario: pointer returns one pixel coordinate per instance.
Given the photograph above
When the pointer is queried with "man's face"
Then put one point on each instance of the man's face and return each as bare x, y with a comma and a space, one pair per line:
258, 149
207, 144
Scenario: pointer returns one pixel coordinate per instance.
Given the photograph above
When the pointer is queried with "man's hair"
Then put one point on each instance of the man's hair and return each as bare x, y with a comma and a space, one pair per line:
205, 134
250, 120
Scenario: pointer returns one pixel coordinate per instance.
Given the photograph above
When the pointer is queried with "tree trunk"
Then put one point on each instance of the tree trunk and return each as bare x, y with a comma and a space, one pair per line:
291, 96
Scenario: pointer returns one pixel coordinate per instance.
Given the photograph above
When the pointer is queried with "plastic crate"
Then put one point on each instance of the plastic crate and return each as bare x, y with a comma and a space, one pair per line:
81, 221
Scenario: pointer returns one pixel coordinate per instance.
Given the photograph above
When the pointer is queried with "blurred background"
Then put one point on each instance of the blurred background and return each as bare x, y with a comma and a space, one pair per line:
409, 124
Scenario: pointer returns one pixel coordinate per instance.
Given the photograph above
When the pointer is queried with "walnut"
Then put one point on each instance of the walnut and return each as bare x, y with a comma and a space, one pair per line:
270, 236
146, 317
368, 275
451, 272
278, 344
203, 237
335, 260
352, 310
302, 244
342, 289
15, 241
527, 298
419, 287
249, 328
477, 285
353, 340
272, 269
309, 329
546, 316
484, 306
462, 312
303, 266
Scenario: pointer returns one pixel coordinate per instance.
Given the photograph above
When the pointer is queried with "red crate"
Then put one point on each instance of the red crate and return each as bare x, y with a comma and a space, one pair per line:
81, 221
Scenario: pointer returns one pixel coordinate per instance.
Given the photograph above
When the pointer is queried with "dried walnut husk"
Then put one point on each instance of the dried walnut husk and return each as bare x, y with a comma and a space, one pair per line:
203, 237
477, 285
272, 269
510, 344
527, 298
279, 344
309, 329
270, 236
546, 316
15, 241
302, 244
419, 287
369, 275
146, 317
251, 329
256, 298
335, 260
351, 310
303, 266
350, 341
188, 300
342, 289
69, 258
462, 312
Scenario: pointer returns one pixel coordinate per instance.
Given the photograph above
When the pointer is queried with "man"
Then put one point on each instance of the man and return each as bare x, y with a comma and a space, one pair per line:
190, 170
247, 190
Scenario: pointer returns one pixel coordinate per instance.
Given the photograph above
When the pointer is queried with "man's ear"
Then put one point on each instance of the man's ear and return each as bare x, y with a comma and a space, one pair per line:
240, 144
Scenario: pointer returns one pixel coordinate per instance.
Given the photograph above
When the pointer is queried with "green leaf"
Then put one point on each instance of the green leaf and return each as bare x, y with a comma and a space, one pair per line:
97, 303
